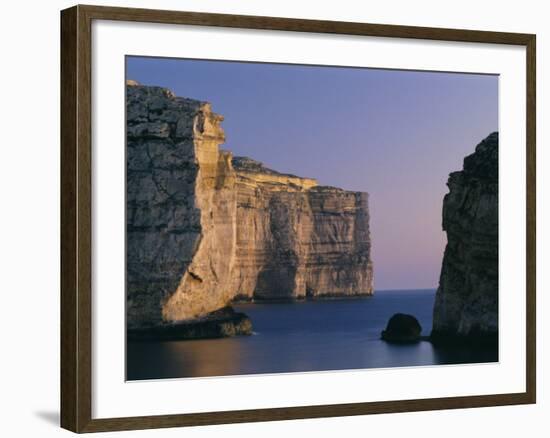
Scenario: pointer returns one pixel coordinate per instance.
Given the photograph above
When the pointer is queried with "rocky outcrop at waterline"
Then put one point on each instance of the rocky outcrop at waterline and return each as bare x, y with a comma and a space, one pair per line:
402, 328
466, 305
221, 323
205, 228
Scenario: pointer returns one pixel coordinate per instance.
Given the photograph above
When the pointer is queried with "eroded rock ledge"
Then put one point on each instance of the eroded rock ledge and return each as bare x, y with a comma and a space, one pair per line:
221, 323
205, 228
466, 306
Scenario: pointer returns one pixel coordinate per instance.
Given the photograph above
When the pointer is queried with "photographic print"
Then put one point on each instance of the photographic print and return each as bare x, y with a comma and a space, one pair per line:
289, 218
267, 218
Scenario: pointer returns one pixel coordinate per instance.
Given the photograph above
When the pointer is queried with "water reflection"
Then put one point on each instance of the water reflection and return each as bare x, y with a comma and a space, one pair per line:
308, 336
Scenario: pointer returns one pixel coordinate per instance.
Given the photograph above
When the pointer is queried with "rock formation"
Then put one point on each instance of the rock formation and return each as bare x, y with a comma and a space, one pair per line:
402, 328
296, 239
180, 208
466, 306
204, 228
221, 323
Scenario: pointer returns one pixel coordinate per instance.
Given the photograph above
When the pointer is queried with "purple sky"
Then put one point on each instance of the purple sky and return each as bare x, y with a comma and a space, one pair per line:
395, 134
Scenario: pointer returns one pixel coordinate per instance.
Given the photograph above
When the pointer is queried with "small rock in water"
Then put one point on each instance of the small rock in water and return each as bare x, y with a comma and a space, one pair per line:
402, 328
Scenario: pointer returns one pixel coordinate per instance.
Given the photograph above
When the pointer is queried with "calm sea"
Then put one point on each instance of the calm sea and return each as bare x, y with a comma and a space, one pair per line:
318, 335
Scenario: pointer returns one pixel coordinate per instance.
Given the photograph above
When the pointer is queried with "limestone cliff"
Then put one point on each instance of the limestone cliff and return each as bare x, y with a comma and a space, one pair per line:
180, 208
467, 298
204, 228
296, 239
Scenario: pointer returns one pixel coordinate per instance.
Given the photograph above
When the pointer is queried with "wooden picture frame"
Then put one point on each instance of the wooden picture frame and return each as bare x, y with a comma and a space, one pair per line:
76, 217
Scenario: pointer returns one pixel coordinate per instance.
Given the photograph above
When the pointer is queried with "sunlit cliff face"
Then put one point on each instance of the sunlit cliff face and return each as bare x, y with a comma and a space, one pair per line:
395, 134
204, 227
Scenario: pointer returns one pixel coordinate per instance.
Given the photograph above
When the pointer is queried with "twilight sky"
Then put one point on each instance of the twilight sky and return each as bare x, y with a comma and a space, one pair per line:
395, 134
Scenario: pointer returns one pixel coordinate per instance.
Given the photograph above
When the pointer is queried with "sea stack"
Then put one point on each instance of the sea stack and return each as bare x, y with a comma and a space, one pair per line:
466, 305
205, 228
402, 328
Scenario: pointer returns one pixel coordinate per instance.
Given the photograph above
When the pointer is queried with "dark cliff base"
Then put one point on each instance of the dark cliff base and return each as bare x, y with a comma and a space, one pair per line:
449, 349
481, 339
222, 323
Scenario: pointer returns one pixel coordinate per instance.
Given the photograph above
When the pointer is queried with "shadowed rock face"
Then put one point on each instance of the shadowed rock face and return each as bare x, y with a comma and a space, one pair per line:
204, 228
466, 303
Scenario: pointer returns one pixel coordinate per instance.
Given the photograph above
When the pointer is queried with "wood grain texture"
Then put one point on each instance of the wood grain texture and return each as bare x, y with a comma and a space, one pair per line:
69, 329
300, 25
76, 222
